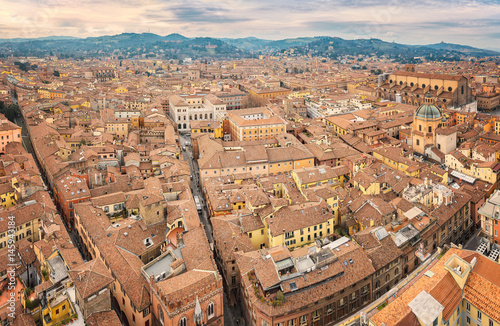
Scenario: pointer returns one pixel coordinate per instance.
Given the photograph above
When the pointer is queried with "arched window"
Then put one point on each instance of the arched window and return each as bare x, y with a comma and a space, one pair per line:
377, 284
387, 277
430, 129
160, 315
462, 89
183, 321
211, 310
416, 261
396, 271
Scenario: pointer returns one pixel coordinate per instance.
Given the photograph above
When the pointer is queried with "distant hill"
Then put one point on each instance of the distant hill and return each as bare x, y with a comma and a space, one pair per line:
177, 46
336, 47
175, 37
291, 42
257, 44
149, 45
247, 43
463, 49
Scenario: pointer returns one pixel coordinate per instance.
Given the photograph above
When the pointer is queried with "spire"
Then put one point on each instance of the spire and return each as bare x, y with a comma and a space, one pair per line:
198, 313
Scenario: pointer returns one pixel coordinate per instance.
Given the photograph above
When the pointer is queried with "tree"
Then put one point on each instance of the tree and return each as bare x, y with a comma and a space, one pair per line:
11, 111
252, 101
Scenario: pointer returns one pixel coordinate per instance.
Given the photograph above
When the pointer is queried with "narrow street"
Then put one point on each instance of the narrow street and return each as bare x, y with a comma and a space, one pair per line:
26, 141
232, 314
187, 153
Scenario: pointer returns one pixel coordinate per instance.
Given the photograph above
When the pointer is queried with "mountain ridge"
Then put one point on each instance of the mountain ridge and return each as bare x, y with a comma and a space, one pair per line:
129, 44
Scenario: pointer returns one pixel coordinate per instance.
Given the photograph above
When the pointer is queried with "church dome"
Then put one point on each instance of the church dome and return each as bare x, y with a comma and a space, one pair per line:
428, 110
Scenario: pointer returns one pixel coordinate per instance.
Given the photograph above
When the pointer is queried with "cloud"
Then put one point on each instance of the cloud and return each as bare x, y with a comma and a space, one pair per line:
472, 22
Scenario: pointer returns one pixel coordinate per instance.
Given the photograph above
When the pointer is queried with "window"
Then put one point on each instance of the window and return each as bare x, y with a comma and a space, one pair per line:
430, 129
292, 322
316, 315
145, 312
418, 142
210, 310
479, 315
467, 307
183, 321
419, 127
160, 315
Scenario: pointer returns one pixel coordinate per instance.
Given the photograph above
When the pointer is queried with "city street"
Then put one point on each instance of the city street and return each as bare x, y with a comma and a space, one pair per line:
232, 314
195, 182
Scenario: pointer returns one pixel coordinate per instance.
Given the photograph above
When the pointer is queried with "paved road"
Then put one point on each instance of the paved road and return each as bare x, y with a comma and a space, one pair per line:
232, 314
195, 182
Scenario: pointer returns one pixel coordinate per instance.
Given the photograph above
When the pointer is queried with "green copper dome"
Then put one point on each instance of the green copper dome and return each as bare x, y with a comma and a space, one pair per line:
428, 110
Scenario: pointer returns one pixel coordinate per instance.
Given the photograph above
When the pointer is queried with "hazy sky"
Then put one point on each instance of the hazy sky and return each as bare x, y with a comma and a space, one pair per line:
475, 23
